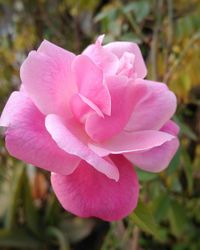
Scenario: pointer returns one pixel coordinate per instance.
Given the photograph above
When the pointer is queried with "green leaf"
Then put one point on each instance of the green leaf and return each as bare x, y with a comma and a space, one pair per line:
18, 238
177, 218
185, 129
143, 218
31, 214
52, 211
145, 176
111, 14
130, 36
14, 196
188, 169
59, 236
161, 206
140, 9
174, 163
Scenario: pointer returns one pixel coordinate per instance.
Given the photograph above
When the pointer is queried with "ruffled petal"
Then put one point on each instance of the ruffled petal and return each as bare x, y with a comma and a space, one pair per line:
124, 95
155, 108
119, 48
46, 76
89, 79
67, 141
88, 193
28, 140
82, 107
126, 66
104, 59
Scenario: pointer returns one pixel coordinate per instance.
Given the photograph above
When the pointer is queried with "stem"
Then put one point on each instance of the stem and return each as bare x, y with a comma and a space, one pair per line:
167, 52
53, 231
135, 27
170, 21
136, 237
153, 54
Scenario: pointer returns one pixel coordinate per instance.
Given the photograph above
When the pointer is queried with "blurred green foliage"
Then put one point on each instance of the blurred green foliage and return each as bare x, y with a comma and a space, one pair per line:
167, 216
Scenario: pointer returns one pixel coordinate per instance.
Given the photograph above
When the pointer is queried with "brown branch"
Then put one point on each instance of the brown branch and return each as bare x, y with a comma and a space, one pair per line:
169, 74
136, 237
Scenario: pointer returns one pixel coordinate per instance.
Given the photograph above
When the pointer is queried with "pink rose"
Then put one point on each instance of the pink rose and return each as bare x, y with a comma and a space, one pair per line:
86, 119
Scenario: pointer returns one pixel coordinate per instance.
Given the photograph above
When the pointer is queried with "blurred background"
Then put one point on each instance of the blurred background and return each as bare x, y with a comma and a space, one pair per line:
168, 33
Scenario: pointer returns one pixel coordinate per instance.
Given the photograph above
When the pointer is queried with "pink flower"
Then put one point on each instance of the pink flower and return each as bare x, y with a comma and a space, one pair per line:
86, 119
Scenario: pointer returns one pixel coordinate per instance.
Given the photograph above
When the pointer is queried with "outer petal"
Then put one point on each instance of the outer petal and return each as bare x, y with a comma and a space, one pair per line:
171, 127
88, 193
158, 158
154, 110
67, 141
55, 51
132, 142
46, 76
124, 95
28, 140
89, 79
119, 48
15, 103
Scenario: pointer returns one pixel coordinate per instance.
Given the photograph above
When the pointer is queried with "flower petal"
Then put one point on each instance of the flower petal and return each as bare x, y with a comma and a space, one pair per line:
119, 48
104, 59
88, 193
28, 140
89, 79
16, 102
46, 76
124, 95
171, 127
67, 141
55, 51
126, 66
154, 110
81, 107
157, 158
138, 141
